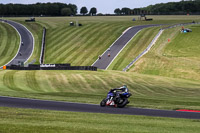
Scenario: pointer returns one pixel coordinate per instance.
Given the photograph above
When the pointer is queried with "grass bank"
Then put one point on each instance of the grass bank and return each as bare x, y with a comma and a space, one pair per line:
9, 43
92, 87
83, 45
136, 46
178, 58
43, 121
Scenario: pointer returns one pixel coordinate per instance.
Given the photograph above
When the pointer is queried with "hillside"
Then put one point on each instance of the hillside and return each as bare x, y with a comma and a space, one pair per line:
178, 59
165, 78
9, 43
91, 87
82, 45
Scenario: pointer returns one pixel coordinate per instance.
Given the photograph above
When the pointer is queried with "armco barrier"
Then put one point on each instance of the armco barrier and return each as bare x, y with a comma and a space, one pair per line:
43, 46
52, 67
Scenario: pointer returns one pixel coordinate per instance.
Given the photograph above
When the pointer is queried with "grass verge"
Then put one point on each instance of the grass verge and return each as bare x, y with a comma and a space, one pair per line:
43, 121
9, 43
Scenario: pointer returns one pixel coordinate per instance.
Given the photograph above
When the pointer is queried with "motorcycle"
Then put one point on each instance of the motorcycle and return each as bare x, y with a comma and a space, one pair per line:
116, 99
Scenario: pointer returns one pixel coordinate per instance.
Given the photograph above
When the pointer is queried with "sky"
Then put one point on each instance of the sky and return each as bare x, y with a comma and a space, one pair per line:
103, 6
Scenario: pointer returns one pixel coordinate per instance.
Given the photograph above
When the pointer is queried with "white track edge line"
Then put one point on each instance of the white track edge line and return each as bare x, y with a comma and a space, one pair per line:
114, 43
18, 48
21, 42
121, 50
152, 42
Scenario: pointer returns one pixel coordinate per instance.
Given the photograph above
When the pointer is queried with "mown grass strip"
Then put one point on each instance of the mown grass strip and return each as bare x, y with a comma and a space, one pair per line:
8, 80
92, 87
9, 43
29, 120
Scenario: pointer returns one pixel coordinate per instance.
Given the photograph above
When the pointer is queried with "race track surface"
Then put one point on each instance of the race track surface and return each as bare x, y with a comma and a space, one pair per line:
26, 44
117, 46
92, 108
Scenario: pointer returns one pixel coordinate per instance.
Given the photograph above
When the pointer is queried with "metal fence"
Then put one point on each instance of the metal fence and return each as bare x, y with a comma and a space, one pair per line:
43, 46
52, 67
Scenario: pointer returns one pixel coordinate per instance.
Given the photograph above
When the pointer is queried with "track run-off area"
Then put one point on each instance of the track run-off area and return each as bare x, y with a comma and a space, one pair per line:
25, 51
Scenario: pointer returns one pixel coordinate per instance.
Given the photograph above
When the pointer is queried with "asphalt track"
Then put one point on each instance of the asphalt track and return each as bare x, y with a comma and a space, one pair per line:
92, 108
26, 43
118, 46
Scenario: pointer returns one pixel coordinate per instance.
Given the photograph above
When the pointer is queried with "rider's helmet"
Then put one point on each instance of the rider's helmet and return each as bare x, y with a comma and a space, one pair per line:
125, 88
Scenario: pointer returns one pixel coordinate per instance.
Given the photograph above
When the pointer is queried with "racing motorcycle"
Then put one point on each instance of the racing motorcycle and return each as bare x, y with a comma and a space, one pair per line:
116, 99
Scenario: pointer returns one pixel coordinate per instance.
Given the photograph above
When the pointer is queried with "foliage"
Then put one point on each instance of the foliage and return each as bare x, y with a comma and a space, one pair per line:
170, 8
126, 11
182, 7
93, 11
47, 9
117, 11
84, 10
66, 12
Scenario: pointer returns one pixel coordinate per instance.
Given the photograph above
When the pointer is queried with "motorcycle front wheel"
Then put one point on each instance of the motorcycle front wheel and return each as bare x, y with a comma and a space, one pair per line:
103, 103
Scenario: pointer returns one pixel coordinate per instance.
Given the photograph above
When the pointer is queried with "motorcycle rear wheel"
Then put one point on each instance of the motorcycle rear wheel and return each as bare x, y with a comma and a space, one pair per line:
123, 103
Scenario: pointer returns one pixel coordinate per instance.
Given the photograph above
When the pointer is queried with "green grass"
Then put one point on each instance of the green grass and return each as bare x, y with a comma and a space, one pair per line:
9, 43
92, 87
154, 81
83, 45
43, 121
177, 59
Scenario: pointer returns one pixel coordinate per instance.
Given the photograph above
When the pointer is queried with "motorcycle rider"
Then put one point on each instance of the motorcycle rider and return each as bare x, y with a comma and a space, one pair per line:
118, 91
123, 89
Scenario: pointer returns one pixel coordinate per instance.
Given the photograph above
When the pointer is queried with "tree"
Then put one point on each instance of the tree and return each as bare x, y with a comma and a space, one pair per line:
93, 11
117, 11
66, 12
126, 11
84, 10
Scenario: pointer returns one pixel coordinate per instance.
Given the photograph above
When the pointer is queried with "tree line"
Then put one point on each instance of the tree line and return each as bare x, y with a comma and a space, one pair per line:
84, 11
43, 9
170, 8
46, 9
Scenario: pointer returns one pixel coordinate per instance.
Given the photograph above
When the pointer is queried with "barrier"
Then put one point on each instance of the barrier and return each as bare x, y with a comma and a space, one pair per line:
43, 46
52, 67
